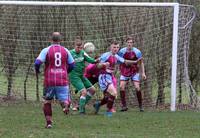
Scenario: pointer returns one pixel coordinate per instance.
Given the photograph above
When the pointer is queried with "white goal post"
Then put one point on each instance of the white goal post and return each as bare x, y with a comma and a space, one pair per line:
175, 34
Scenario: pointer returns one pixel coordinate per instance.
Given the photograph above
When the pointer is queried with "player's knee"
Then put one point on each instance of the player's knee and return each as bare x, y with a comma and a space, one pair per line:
92, 92
114, 93
137, 89
122, 87
84, 92
47, 101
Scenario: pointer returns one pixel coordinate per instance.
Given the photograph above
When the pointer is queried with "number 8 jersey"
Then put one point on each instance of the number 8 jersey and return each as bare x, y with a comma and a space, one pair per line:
56, 59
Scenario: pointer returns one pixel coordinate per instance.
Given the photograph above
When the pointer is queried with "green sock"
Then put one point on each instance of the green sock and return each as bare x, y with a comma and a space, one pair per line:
82, 104
88, 97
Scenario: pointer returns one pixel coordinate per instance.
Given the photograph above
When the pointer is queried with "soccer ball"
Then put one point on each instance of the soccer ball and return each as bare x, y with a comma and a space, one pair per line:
89, 47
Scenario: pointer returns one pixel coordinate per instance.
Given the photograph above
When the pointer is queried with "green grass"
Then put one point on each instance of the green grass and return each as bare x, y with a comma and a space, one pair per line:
26, 120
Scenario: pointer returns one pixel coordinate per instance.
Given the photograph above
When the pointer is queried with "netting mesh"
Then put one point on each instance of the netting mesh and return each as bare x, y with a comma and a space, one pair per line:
25, 31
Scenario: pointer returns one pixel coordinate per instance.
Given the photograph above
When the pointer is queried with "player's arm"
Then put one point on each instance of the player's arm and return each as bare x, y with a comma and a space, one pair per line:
89, 59
142, 69
102, 61
40, 59
140, 63
70, 61
103, 65
130, 62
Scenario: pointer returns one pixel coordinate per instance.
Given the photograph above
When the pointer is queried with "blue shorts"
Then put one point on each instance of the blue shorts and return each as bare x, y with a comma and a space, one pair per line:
60, 93
105, 80
135, 77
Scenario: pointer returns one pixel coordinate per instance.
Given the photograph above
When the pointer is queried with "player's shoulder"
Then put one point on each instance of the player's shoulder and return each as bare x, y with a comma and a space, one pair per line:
72, 50
46, 49
105, 54
123, 49
89, 66
136, 50
84, 53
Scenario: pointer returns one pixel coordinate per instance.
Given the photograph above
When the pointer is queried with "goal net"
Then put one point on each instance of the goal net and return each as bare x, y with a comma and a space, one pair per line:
156, 27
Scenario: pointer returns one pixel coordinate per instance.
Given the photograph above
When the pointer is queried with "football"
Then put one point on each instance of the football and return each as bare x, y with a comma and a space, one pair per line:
89, 47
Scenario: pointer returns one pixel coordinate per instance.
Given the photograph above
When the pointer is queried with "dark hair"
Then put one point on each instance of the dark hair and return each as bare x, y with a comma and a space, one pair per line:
56, 37
129, 38
114, 41
78, 41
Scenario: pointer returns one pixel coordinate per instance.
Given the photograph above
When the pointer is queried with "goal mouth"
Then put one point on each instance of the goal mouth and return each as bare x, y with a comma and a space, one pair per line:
161, 32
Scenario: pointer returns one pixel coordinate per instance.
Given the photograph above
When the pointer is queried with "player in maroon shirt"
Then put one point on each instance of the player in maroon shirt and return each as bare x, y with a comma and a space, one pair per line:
58, 63
131, 72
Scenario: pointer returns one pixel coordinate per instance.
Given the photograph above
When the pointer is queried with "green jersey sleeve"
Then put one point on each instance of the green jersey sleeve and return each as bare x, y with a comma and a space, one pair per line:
80, 59
88, 58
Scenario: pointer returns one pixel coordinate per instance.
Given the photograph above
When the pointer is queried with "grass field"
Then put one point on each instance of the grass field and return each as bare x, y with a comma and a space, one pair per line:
26, 120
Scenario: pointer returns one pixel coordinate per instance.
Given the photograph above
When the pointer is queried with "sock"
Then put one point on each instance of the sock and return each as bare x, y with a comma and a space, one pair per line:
104, 100
82, 104
65, 106
47, 112
88, 97
110, 102
139, 97
123, 98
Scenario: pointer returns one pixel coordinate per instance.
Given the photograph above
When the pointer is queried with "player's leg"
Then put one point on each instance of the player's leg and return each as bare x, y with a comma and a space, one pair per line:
76, 81
123, 83
114, 79
112, 94
64, 98
82, 101
90, 89
48, 94
136, 83
103, 84
93, 80
107, 86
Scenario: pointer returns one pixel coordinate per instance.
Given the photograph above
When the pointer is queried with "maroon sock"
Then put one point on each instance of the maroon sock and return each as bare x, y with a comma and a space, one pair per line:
110, 102
104, 100
123, 98
139, 97
47, 112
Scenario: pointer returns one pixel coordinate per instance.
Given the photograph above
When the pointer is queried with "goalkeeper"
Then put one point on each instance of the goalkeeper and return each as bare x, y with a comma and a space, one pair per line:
76, 76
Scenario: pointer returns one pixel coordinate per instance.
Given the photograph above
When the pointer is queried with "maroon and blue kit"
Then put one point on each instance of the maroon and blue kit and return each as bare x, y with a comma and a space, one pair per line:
129, 71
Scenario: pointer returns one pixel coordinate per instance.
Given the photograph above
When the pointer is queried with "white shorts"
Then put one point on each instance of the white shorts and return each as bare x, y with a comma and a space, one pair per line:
135, 77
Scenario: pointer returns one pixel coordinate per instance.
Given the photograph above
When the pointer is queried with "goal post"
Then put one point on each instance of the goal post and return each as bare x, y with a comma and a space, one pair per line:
174, 57
154, 25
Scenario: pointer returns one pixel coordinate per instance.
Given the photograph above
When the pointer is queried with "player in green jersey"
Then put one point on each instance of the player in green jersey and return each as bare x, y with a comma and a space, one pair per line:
76, 76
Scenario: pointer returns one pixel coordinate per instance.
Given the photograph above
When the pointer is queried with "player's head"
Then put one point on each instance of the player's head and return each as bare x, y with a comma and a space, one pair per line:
78, 44
56, 37
129, 42
114, 47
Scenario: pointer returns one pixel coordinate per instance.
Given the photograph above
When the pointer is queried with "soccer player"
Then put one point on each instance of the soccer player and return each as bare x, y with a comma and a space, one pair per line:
92, 72
77, 78
106, 78
58, 62
131, 72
